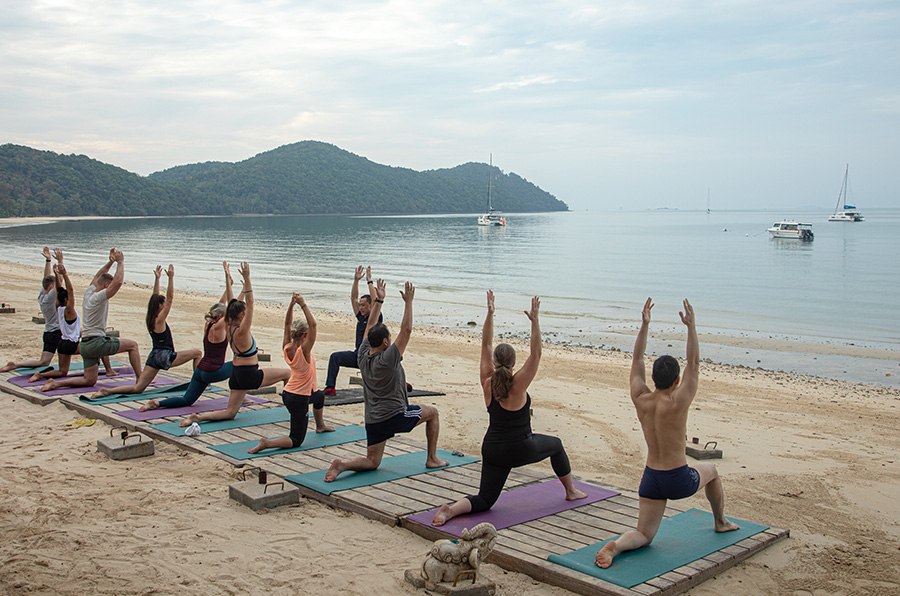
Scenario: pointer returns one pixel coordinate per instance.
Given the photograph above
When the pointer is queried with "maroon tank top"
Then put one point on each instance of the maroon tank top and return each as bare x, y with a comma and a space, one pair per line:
213, 353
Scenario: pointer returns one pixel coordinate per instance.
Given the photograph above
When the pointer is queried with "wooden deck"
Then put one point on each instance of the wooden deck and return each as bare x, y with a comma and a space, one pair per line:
522, 548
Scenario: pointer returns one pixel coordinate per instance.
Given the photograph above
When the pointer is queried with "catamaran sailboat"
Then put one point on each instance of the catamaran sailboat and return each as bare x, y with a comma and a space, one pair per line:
492, 217
844, 211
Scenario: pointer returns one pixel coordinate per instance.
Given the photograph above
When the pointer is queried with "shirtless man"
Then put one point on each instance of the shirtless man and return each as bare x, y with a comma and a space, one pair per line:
387, 407
663, 415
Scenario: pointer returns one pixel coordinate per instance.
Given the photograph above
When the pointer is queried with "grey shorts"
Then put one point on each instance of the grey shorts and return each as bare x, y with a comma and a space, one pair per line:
94, 348
161, 358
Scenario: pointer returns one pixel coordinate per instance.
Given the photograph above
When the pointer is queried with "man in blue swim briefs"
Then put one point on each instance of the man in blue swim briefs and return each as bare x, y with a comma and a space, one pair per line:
663, 415
387, 408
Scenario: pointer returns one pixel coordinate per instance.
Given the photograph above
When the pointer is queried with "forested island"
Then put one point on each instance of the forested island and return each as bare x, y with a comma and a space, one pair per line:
308, 177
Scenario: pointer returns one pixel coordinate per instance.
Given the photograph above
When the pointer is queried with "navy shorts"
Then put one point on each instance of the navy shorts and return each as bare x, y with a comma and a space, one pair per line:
679, 483
67, 347
161, 358
379, 432
51, 340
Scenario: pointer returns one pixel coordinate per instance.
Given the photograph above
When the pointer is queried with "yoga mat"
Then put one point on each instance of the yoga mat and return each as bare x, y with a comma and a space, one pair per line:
112, 384
204, 405
354, 395
681, 539
30, 371
22, 380
391, 468
313, 440
519, 505
162, 386
251, 418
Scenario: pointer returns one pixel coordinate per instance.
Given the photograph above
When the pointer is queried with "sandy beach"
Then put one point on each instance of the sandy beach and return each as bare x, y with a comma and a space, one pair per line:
814, 455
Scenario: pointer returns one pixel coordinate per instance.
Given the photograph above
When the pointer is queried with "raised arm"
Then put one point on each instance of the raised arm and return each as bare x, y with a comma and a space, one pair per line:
522, 379
691, 377
170, 295
486, 367
47, 267
310, 340
157, 273
406, 325
105, 268
638, 378
228, 294
288, 321
70, 313
354, 289
118, 277
377, 293
247, 295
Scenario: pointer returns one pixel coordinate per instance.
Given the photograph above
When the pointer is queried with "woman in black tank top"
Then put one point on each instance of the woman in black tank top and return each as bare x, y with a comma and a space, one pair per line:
509, 442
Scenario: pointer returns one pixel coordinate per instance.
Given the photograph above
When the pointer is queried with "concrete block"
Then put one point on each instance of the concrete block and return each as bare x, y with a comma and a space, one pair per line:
356, 380
256, 496
262, 391
464, 587
38, 320
128, 447
707, 451
263, 356
112, 332
7, 309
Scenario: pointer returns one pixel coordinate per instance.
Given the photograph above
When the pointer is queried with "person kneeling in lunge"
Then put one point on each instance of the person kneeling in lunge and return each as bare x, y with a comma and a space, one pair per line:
509, 442
300, 389
663, 416
387, 408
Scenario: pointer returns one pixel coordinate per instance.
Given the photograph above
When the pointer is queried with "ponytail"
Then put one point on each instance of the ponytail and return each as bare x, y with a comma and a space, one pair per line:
502, 379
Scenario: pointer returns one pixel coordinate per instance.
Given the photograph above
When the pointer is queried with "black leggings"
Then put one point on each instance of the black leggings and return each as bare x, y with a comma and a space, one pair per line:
298, 406
499, 458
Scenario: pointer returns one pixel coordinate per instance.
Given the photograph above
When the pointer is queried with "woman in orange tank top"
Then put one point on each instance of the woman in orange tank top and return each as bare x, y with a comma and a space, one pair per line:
300, 389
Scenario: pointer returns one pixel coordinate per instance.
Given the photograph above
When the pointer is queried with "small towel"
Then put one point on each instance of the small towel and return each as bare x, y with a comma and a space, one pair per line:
193, 430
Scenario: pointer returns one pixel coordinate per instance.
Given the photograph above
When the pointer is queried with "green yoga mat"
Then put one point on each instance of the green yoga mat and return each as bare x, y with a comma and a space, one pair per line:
156, 393
248, 418
391, 468
313, 440
681, 539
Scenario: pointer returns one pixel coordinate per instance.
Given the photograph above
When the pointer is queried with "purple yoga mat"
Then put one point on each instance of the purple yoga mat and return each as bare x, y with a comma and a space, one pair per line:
520, 505
159, 381
206, 405
22, 380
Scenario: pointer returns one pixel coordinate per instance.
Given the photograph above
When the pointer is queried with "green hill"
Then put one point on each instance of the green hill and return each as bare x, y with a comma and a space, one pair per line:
306, 177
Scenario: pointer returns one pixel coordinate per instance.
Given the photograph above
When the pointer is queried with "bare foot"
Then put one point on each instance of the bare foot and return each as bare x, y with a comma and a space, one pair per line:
727, 526
324, 429
33, 378
9, 366
150, 405
441, 517
112, 372
263, 444
575, 494
189, 420
100, 393
605, 556
435, 463
333, 471
48, 386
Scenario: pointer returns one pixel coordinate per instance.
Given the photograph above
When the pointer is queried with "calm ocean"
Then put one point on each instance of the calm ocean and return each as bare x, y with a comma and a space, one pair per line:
592, 269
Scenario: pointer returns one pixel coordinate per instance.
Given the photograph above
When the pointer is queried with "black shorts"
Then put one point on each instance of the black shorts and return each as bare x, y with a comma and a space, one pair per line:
679, 483
67, 347
379, 432
246, 378
51, 340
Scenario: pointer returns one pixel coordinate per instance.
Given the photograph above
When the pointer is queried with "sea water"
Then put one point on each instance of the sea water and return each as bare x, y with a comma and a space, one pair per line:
593, 270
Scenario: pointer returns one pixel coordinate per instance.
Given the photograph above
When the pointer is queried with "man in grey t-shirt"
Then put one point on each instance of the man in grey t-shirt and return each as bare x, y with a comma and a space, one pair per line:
388, 411
52, 334
95, 344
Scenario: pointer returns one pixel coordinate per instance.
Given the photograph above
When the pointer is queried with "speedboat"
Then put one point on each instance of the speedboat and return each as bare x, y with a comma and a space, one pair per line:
792, 229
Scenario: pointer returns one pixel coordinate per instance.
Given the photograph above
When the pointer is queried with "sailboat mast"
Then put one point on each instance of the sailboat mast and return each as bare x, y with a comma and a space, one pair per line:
842, 195
490, 181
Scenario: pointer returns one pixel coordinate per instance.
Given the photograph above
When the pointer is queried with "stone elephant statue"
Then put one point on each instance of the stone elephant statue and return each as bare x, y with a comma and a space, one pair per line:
449, 559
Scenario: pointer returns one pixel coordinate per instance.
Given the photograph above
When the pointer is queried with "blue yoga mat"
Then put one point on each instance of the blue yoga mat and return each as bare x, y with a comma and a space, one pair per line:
248, 418
48, 367
156, 393
391, 468
681, 539
313, 440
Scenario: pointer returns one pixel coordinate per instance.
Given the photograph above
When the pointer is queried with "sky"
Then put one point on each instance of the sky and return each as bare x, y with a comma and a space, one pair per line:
758, 104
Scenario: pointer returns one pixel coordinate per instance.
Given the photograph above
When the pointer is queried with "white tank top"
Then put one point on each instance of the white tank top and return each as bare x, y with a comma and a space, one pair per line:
70, 332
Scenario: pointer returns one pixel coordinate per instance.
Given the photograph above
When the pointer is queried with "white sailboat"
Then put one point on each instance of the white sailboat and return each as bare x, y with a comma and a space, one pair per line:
492, 217
844, 211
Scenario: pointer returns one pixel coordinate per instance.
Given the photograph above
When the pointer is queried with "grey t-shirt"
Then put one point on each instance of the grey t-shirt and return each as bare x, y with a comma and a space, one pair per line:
94, 311
47, 300
384, 382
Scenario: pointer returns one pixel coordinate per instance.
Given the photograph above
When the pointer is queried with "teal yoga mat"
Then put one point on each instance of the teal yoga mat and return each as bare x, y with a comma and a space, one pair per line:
313, 440
52, 366
681, 539
156, 393
247, 418
391, 468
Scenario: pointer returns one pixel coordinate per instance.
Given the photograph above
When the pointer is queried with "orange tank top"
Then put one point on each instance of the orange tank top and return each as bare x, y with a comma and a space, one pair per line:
303, 373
